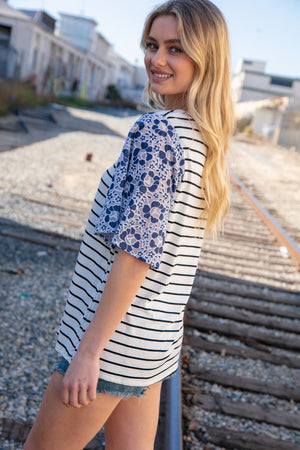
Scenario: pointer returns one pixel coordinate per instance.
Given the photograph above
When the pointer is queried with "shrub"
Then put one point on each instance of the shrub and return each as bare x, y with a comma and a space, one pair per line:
113, 93
243, 123
15, 94
248, 131
75, 102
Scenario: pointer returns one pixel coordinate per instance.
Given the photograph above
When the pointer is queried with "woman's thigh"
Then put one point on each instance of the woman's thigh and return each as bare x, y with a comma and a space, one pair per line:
133, 423
60, 427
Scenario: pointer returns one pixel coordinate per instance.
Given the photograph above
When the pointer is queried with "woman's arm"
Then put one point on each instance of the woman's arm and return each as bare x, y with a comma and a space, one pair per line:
125, 278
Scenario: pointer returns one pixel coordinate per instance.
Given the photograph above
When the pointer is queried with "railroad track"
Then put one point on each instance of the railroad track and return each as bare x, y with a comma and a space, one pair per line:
241, 354
279, 211
240, 366
56, 213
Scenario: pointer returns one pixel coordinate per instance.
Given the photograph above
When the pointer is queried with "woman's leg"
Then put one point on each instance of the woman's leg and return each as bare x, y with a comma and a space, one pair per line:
133, 423
60, 427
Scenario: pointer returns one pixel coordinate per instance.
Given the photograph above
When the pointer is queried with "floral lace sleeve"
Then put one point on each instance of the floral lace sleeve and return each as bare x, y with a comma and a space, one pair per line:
135, 213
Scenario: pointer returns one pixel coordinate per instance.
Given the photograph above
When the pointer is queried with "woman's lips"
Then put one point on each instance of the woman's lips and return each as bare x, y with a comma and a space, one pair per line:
160, 76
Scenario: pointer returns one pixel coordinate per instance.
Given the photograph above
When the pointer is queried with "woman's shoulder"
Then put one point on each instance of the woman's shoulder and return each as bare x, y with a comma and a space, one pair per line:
153, 122
161, 116
159, 122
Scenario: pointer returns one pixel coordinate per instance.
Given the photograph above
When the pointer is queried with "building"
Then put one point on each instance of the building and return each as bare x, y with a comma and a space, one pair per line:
14, 35
104, 65
81, 33
270, 103
137, 91
68, 57
252, 83
42, 18
31, 50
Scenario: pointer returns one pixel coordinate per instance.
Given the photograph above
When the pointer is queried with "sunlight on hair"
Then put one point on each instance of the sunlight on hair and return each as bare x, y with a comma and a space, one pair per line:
204, 37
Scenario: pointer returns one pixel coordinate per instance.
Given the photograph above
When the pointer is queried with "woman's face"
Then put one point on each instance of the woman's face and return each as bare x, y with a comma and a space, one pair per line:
170, 69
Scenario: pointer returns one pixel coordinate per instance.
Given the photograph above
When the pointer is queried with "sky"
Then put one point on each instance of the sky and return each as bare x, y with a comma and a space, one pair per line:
265, 30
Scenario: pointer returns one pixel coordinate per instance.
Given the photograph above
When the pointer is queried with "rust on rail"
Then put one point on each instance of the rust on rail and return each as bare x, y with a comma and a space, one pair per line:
282, 237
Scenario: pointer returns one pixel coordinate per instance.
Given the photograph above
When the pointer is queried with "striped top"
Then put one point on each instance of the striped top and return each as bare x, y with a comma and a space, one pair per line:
145, 347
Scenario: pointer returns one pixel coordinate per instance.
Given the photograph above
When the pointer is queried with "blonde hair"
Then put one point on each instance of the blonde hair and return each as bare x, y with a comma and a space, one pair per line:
204, 37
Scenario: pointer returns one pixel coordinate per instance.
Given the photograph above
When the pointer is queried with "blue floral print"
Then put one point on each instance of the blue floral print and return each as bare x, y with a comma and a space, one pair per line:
135, 213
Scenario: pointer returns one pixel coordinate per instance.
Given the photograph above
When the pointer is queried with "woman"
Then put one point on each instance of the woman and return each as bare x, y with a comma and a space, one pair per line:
121, 331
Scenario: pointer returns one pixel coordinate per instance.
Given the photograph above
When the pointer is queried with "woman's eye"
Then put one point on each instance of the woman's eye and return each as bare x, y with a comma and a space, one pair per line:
150, 46
175, 50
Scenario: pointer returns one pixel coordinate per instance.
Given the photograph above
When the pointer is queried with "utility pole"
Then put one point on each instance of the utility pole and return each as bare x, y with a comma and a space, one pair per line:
82, 8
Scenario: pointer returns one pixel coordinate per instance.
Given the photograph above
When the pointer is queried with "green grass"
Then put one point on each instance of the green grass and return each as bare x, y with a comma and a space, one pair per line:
15, 94
76, 102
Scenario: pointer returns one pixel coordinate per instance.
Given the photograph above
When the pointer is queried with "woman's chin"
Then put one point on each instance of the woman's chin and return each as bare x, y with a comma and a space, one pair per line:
159, 89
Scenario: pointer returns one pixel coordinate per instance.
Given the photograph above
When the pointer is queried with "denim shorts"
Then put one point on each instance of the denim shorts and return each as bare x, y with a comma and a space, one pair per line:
107, 387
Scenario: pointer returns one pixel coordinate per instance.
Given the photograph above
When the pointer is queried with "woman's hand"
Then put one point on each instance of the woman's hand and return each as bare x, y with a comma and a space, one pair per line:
79, 386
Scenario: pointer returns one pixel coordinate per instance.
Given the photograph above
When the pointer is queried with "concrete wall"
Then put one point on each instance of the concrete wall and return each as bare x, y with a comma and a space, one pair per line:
252, 83
141, 77
121, 73
21, 41
278, 119
263, 82
53, 63
79, 31
266, 121
289, 135
251, 66
249, 108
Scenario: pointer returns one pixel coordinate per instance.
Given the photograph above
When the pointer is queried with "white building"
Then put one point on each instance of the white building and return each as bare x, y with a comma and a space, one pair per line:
252, 83
81, 33
71, 57
136, 93
270, 103
30, 50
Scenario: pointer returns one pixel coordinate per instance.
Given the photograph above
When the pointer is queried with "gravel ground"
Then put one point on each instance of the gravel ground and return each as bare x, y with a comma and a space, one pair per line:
50, 164
31, 304
34, 279
272, 173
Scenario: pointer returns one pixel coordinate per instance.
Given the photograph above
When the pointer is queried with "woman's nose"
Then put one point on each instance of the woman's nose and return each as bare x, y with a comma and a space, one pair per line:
159, 58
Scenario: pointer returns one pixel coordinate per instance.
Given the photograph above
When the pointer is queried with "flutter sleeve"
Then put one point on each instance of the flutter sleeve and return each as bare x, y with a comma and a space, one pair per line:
135, 213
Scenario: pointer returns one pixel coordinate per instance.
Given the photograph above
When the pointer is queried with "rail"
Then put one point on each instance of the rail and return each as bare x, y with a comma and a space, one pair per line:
173, 423
173, 436
280, 234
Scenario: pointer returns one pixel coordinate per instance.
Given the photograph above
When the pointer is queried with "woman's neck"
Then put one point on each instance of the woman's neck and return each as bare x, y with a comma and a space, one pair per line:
175, 102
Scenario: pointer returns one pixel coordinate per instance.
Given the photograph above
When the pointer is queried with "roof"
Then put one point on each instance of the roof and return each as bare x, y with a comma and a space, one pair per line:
8, 11
81, 18
266, 91
263, 74
42, 18
29, 12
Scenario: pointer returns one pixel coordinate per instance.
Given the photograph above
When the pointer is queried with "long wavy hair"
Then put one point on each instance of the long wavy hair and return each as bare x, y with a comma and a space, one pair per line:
204, 37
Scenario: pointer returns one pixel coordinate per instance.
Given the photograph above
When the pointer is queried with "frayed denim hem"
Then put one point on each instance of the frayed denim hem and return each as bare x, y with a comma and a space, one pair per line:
107, 387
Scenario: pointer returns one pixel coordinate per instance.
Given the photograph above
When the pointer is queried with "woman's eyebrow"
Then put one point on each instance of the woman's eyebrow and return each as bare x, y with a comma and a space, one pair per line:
168, 41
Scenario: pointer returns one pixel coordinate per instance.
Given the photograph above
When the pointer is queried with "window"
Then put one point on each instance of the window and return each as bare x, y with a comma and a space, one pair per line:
281, 82
4, 34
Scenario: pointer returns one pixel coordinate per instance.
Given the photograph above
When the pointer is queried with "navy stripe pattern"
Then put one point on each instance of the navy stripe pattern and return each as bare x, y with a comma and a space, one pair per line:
145, 347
